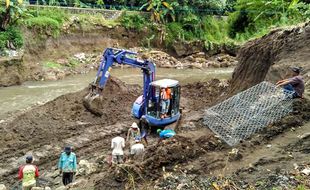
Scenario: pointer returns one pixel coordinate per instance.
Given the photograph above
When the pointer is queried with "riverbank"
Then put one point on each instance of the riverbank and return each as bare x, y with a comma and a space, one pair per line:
85, 62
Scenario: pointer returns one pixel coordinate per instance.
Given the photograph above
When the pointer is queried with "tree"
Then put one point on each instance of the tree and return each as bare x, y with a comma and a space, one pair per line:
159, 9
11, 13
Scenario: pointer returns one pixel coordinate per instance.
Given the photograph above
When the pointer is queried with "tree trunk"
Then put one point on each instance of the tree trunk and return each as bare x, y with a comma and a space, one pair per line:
6, 19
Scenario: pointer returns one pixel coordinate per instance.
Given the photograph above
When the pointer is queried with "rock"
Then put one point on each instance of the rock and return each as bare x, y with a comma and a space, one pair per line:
80, 56
78, 183
61, 188
190, 58
57, 180
304, 136
306, 171
50, 76
55, 174
187, 48
200, 55
200, 60
62, 61
234, 155
86, 167
38, 188
2, 187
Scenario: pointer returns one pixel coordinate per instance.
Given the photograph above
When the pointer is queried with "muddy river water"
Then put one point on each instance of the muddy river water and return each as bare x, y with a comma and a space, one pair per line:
28, 94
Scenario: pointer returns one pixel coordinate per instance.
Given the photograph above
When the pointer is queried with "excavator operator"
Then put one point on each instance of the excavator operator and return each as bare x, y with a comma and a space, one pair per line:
165, 101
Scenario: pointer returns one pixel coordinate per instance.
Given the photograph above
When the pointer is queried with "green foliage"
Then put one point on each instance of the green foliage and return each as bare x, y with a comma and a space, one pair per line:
12, 35
43, 24
100, 3
215, 29
159, 9
55, 14
174, 32
51, 64
73, 62
256, 17
301, 187
46, 21
10, 12
133, 21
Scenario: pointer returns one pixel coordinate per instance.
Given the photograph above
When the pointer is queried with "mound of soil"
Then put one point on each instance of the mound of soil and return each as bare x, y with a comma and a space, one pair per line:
270, 56
61, 120
203, 94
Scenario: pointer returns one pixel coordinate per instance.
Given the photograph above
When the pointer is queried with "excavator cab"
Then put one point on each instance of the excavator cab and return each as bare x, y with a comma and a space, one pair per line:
160, 111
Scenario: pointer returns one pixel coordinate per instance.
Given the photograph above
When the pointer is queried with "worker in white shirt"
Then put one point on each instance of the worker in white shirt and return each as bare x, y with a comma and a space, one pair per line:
117, 144
136, 150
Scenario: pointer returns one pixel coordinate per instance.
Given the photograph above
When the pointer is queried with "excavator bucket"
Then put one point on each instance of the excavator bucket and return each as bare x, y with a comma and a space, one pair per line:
92, 102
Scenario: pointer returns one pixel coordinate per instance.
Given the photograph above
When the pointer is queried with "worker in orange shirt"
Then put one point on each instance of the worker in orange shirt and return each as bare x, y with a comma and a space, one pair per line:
165, 101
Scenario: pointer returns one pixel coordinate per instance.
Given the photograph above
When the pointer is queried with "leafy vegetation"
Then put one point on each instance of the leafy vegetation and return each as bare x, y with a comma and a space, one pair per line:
51, 64
160, 9
46, 21
133, 21
170, 21
256, 17
12, 37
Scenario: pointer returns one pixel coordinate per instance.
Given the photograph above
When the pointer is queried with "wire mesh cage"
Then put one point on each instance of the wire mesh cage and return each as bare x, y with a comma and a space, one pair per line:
246, 113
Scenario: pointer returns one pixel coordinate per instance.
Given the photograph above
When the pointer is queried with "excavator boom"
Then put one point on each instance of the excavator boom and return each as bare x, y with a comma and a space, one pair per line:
111, 56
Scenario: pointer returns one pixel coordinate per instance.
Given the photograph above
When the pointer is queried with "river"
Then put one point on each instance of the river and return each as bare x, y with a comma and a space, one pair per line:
30, 93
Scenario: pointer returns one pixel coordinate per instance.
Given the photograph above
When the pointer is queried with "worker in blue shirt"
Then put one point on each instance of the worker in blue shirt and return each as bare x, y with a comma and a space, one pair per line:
165, 134
67, 165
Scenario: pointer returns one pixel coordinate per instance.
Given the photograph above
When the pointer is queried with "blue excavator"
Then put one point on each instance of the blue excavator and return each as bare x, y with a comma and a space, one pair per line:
150, 102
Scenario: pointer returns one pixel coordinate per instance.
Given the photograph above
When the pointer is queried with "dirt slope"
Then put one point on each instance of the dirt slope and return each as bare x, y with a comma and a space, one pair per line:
58, 122
270, 56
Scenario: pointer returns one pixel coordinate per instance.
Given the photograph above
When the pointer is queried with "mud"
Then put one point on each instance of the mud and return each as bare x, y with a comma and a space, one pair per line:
59, 122
195, 158
195, 151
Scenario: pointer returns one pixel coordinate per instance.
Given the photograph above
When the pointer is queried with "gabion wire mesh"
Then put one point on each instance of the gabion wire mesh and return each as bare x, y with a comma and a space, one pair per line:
244, 114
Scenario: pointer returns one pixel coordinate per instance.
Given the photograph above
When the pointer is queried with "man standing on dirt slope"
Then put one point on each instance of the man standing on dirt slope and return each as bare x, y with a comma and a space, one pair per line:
28, 174
67, 165
133, 132
136, 150
144, 129
295, 84
165, 134
117, 144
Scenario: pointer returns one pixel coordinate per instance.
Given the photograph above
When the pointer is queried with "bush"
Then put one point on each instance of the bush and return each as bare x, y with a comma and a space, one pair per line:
215, 29
13, 35
43, 24
257, 16
51, 64
174, 32
133, 21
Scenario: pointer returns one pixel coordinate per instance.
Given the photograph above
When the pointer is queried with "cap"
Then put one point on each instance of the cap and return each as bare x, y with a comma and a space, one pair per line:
137, 139
29, 158
296, 69
67, 149
158, 130
134, 125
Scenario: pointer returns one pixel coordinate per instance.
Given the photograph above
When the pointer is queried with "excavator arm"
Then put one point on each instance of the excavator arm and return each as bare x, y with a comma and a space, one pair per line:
111, 56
